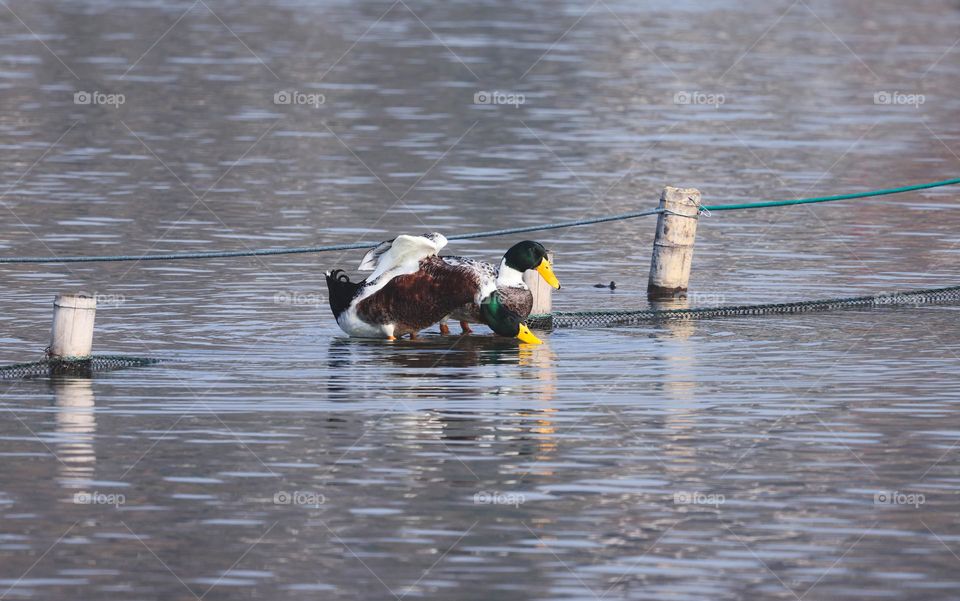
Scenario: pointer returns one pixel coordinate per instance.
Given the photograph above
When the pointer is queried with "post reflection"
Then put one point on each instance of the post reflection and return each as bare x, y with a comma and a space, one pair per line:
676, 353
76, 426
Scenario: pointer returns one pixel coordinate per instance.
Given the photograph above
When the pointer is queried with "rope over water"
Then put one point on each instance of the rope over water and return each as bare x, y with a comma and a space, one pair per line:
488, 234
804, 201
600, 319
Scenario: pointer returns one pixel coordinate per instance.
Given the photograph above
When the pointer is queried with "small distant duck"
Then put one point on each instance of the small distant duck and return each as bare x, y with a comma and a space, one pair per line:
411, 288
507, 278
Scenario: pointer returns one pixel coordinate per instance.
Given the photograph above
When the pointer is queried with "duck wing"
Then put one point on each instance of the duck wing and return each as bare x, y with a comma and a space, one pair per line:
419, 299
486, 277
369, 262
403, 255
428, 242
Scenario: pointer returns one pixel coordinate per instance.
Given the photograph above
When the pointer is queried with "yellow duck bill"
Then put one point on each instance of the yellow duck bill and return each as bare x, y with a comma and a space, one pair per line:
546, 272
525, 335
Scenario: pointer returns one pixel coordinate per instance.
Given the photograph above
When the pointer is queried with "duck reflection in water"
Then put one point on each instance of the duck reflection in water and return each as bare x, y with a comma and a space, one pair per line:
479, 389
440, 367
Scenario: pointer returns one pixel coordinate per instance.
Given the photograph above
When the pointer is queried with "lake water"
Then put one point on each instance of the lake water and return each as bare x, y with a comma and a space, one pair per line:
779, 457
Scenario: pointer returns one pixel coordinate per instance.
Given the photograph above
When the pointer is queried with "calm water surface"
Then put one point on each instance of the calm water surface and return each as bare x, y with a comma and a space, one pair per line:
786, 457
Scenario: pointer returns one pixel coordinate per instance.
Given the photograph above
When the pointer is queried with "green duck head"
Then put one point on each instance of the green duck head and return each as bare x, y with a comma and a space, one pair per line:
503, 321
531, 255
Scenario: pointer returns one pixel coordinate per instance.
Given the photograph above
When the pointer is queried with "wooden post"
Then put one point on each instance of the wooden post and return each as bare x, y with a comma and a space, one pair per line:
673, 243
71, 337
542, 291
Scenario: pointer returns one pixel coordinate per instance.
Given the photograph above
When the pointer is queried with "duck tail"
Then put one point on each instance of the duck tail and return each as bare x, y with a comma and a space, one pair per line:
340, 290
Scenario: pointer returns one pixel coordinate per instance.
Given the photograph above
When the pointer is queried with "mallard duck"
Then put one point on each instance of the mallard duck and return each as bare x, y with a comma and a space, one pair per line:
508, 279
411, 288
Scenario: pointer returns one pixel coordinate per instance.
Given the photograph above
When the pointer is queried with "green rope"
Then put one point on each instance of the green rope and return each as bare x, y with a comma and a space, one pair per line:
804, 201
516, 230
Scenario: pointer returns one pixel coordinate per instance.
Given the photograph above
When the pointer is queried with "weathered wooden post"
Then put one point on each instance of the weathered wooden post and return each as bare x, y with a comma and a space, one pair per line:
71, 338
542, 291
673, 243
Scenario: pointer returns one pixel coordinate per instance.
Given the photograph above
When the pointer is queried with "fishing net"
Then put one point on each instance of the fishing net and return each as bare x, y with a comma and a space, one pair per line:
87, 367
557, 320
603, 319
